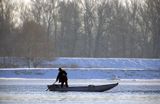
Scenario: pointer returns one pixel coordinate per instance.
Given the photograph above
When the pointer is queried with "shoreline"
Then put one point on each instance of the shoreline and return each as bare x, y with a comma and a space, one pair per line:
87, 68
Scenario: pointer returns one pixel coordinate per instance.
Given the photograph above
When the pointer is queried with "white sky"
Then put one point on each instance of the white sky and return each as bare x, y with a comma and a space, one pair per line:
24, 1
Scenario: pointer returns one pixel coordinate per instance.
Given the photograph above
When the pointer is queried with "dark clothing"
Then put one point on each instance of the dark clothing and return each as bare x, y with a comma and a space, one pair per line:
62, 77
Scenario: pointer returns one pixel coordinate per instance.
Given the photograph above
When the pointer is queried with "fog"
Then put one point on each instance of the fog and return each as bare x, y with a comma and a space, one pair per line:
80, 28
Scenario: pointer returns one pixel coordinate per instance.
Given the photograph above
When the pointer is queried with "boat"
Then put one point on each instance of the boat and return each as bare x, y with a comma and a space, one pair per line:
89, 88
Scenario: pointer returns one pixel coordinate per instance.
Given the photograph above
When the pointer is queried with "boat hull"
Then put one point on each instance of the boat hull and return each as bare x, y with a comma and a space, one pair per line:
89, 88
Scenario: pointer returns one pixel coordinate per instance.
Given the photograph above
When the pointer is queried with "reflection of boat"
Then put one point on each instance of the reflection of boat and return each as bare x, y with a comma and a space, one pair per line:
89, 88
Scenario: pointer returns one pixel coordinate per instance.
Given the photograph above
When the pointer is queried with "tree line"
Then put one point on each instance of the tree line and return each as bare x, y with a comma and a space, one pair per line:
80, 28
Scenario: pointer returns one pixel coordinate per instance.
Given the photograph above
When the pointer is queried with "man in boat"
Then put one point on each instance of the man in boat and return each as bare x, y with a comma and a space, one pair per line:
62, 77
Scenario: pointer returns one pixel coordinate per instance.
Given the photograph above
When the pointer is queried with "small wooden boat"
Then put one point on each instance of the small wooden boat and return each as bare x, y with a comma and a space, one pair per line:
89, 88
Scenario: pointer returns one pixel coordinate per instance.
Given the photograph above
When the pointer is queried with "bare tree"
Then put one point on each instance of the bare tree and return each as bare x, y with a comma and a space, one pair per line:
89, 7
33, 42
104, 14
88, 28
6, 27
43, 14
153, 11
69, 27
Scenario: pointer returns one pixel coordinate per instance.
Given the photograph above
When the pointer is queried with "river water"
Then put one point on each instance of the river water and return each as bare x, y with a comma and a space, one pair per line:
33, 91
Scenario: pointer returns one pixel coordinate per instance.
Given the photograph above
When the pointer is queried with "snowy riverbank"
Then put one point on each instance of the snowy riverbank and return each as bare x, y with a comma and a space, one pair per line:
69, 62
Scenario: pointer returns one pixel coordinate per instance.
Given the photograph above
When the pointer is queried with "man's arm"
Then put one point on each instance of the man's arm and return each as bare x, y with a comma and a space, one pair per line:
65, 73
58, 77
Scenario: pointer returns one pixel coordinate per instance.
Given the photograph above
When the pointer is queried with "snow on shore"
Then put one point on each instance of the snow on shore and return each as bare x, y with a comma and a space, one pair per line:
125, 63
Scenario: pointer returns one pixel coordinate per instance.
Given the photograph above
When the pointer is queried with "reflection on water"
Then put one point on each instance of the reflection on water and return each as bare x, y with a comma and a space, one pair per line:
26, 91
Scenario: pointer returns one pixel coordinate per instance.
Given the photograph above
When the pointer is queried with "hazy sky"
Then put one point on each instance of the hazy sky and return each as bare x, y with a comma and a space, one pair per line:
25, 1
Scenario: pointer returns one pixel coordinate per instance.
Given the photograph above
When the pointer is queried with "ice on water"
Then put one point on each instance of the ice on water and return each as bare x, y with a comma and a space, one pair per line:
32, 91
139, 82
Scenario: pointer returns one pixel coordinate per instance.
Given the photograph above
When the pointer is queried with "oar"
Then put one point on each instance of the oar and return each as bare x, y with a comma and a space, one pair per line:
52, 84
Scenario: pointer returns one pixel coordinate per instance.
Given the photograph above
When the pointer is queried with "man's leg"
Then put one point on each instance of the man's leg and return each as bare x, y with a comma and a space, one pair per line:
66, 83
62, 83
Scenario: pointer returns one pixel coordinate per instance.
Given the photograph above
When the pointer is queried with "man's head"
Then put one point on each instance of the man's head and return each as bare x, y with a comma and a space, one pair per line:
60, 69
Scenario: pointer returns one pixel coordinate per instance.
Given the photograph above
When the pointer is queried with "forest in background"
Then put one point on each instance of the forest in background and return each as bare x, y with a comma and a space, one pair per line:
80, 28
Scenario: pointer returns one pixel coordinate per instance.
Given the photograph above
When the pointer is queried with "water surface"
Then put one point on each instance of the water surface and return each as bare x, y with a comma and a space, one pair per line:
33, 91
